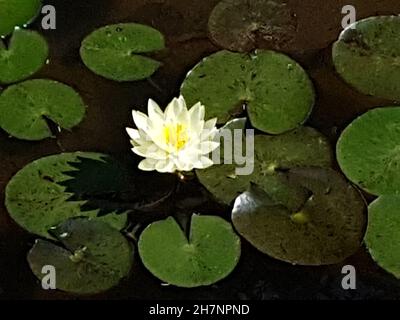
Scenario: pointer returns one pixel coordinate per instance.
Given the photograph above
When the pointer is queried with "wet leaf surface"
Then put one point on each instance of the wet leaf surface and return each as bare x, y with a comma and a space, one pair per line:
91, 257
210, 253
276, 90
117, 52
327, 229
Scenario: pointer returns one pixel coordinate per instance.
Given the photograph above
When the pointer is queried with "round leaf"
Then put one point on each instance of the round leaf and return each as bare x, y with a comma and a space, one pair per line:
26, 54
244, 25
24, 107
15, 13
383, 233
37, 200
368, 151
209, 255
116, 52
277, 92
368, 56
326, 230
93, 258
273, 156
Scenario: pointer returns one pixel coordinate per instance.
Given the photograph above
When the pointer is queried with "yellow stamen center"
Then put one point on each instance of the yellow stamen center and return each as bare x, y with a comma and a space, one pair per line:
175, 136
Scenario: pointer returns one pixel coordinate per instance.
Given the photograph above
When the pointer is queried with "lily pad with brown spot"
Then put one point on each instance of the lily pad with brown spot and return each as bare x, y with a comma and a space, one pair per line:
244, 25
274, 155
92, 257
326, 230
367, 56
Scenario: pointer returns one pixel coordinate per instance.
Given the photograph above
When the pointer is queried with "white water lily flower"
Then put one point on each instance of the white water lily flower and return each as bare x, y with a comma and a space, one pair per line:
175, 140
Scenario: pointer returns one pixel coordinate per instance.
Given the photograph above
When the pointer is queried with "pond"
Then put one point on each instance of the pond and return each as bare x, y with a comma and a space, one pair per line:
184, 24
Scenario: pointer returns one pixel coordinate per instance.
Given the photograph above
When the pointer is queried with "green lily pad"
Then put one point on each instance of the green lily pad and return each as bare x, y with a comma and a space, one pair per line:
37, 201
15, 13
368, 151
368, 57
245, 25
117, 52
24, 107
276, 90
209, 255
273, 156
92, 257
26, 54
383, 233
326, 230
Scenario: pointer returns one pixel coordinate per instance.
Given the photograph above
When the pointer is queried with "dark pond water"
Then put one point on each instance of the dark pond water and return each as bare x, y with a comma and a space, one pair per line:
184, 24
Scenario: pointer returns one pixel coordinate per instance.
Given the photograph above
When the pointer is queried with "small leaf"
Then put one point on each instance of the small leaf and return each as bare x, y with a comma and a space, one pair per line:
15, 13
93, 257
37, 201
276, 90
368, 151
26, 54
368, 56
209, 255
327, 229
24, 107
383, 233
117, 52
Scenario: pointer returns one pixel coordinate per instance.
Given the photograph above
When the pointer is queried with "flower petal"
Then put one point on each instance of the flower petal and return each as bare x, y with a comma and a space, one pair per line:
140, 119
165, 166
204, 163
208, 146
147, 165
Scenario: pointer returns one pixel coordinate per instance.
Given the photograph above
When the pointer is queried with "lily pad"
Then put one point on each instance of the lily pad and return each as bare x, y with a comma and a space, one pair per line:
244, 25
277, 92
383, 233
92, 257
368, 56
37, 201
26, 54
118, 52
273, 156
15, 13
326, 230
209, 255
368, 151
24, 108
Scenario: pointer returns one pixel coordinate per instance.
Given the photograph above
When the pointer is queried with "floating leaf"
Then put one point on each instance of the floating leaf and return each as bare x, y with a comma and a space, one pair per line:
244, 25
24, 108
273, 156
37, 201
383, 233
277, 92
15, 13
209, 255
326, 230
26, 54
368, 151
368, 56
93, 257
117, 52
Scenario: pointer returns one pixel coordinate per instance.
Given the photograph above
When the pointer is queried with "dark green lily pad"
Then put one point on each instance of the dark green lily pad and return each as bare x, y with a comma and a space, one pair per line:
15, 13
26, 54
245, 25
368, 57
37, 201
24, 108
368, 151
383, 233
117, 52
273, 156
92, 257
326, 230
277, 92
209, 255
